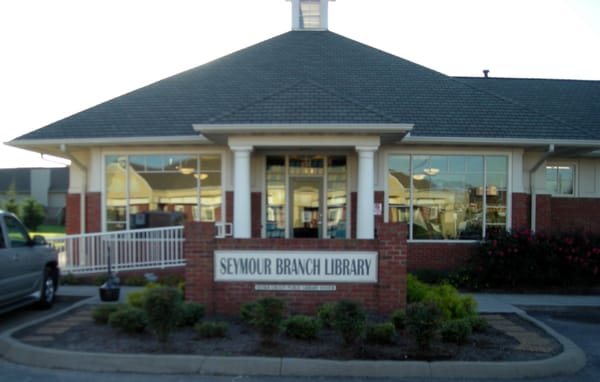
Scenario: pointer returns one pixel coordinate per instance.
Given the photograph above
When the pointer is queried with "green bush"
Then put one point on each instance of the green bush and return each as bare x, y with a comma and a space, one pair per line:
415, 289
161, 306
101, 312
478, 324
136, 298
349, 320
247, 312
135, 280
456, 331
450, 302
383, 333
422, 322
32, 213
174, 281
69, 279
430, 276
211, 329
268, 317
398, 318
190, 313
325, 314
128, 319
302, 327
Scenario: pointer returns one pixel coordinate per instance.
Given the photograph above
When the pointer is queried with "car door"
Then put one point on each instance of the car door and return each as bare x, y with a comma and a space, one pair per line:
8, 269
21, 272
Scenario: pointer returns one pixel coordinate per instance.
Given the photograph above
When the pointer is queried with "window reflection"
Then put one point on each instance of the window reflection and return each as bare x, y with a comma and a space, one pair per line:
442, 197
144, 191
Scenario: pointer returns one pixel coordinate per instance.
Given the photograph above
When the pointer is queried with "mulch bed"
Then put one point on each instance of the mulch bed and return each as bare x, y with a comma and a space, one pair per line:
82, 334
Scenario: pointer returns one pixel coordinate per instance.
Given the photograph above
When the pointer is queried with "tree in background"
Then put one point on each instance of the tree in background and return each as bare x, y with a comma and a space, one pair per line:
10, 203
33, 214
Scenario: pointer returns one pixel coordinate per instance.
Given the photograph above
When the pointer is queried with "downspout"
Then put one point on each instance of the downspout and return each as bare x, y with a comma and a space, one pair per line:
82, 214
532, 186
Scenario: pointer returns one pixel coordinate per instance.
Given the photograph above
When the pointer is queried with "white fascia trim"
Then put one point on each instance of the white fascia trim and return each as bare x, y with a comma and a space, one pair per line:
499, 141
303, 141
303, 128
114, 141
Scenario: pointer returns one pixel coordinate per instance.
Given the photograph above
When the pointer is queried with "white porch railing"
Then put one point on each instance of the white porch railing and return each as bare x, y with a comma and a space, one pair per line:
129, 250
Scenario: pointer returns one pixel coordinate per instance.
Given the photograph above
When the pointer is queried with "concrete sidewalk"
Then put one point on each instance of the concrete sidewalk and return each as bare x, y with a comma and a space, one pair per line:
571, 360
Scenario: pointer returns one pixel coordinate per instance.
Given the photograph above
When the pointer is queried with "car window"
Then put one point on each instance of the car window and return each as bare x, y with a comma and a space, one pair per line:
17, 234
2, 245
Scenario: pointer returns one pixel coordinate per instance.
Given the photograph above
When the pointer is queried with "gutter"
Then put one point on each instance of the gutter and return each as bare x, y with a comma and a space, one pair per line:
539, 163
82, 212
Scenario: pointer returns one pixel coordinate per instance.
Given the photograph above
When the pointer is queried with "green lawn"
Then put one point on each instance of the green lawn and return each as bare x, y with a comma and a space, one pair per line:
49, 230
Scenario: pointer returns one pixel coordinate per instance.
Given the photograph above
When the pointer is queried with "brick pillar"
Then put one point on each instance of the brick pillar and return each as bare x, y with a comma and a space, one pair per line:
393, 253
198, 252
543, 213
72, 214
521, 209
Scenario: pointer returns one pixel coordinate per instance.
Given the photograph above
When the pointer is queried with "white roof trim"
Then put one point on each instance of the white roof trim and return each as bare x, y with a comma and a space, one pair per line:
499, 141
302, 128
114, 141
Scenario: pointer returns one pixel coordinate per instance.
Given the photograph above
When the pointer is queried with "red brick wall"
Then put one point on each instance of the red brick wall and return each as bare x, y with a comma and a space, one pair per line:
383, 297
443, 256
521, 209
575, 213
229, 207
93, 205
543, 213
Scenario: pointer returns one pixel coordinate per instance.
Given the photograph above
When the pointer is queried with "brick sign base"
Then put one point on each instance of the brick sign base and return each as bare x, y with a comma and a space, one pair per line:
384, 295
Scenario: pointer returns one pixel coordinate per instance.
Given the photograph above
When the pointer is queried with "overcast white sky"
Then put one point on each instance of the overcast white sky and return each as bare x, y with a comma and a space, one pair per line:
59, 57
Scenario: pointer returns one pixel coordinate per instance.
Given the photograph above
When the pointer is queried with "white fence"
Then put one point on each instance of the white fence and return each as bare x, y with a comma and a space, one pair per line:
128, 250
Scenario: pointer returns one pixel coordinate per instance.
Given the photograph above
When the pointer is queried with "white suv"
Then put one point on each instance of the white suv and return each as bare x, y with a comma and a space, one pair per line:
28, 267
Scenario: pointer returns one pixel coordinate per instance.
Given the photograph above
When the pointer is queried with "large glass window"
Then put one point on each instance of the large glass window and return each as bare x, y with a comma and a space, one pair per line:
447, 197
560, 179
144, 191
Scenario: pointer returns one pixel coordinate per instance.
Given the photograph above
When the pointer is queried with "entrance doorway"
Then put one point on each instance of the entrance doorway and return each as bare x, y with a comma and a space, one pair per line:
306, 219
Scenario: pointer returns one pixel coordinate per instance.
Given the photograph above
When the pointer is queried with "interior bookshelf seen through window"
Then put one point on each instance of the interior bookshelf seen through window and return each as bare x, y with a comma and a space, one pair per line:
145, 191
448, 197
560, 179
306, 196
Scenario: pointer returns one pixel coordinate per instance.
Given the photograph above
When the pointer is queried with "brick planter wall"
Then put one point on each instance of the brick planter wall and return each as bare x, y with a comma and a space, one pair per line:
383, 297
442, 256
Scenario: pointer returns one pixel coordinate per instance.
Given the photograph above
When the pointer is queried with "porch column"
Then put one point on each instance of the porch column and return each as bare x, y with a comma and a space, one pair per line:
365, 220
242, 222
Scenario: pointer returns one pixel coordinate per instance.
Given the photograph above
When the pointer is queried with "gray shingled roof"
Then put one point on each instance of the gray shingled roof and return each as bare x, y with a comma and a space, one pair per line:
309, 77
574, 102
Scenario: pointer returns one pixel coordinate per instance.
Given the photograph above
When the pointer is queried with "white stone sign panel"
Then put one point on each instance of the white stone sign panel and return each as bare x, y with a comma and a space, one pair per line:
296, 266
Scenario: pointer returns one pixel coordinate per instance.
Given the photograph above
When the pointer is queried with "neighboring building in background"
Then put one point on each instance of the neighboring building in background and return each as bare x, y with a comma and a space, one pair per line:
48, 186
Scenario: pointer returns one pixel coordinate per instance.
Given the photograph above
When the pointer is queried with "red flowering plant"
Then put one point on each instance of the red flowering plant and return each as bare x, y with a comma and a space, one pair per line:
523, 258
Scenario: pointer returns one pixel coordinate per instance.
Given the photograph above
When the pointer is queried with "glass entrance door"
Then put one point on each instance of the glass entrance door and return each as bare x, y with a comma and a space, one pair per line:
306, 219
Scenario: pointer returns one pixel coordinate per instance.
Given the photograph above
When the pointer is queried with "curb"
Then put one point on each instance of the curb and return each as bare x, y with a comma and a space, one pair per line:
569, 361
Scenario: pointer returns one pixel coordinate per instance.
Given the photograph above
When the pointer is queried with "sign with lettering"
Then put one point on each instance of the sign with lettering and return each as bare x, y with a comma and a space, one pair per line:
296, 266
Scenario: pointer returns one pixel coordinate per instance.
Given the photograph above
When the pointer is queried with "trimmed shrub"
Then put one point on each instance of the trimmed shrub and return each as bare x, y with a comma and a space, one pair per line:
325, 314
190, 313
450, 302
302, 327
383, 333
478, 324
136, 298
128, 319
349, 320
456, 331
161, 306
398, 318
422, 322
247, 312
415, 289
174, 281
101, 312
211, 329
268, 317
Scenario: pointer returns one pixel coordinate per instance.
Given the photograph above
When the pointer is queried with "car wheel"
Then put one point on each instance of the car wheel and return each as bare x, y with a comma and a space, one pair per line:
48, 290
